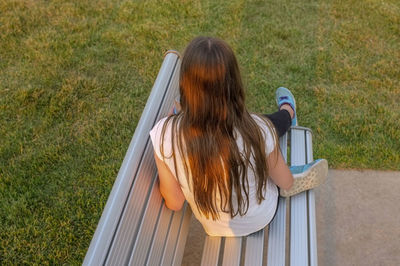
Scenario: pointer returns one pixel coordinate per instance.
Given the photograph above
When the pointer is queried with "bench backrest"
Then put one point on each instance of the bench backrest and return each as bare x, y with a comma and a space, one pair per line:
135, 227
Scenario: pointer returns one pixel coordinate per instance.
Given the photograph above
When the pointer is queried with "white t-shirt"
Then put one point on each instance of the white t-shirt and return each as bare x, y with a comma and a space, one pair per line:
257, 216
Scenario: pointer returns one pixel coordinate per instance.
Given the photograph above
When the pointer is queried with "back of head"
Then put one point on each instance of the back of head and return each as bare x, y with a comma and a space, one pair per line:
210, 83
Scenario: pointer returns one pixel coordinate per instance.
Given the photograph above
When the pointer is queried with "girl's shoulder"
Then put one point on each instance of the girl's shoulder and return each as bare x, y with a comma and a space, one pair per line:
161, 138
267, 129
263, 122
160, 122
156, 131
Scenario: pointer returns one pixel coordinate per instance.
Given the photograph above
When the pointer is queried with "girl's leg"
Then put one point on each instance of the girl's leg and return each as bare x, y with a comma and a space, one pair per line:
286, 116
281, 120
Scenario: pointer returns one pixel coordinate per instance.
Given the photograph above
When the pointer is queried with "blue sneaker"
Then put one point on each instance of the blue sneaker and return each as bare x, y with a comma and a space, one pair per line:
307, 176
284, 96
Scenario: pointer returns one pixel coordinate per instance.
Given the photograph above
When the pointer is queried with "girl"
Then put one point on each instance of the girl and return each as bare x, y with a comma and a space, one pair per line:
223, 160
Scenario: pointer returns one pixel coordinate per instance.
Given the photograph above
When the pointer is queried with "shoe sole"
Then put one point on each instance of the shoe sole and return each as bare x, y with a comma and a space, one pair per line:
310, 179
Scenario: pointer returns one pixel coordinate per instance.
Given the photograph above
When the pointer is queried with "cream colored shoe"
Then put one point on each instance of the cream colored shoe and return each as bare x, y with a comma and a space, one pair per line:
306, 177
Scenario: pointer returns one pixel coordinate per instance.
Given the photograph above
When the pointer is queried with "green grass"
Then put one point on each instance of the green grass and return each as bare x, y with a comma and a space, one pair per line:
75, 76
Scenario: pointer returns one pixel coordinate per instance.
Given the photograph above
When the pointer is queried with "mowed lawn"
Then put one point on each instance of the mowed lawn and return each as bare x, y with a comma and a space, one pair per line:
75, 76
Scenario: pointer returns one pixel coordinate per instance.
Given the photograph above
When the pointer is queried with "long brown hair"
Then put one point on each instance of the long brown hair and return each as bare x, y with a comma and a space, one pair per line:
213, 114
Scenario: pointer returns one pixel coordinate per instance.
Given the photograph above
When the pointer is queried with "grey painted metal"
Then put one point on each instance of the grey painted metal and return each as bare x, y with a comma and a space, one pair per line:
178, 228
183, 232
309, 151
144, 239
133, 214
298, 206
211, 249
277, 236
160, 236
283, 145
232, 251
172, 238
298, 230
312, 227
254, 248
123, 212
301, 128
277, 228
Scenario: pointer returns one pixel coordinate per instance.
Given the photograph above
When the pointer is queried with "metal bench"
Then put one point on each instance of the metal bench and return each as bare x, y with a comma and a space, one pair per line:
137, 229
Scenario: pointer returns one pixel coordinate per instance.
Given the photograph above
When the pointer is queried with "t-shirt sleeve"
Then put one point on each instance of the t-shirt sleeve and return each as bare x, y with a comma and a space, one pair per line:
156, 138
268, 131
163, 149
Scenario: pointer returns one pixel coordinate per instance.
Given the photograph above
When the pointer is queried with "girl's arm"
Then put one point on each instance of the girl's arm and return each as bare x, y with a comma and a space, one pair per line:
278, 170
169, 187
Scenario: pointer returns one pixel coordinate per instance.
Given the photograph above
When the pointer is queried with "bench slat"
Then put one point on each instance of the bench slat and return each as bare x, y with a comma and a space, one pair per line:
211, 250
311, 208
232, 251
277, 236
130, 220
298, 230
298, 205
283, 146
160, 236
254, 248
277, 228
312, 229
145, 235
172, 238
183, 232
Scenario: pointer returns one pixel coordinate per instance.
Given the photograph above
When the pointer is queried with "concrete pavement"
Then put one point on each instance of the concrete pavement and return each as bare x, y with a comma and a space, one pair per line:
358, 220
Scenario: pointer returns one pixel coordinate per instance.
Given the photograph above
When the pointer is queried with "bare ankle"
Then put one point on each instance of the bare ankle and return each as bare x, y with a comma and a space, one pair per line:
288, 108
